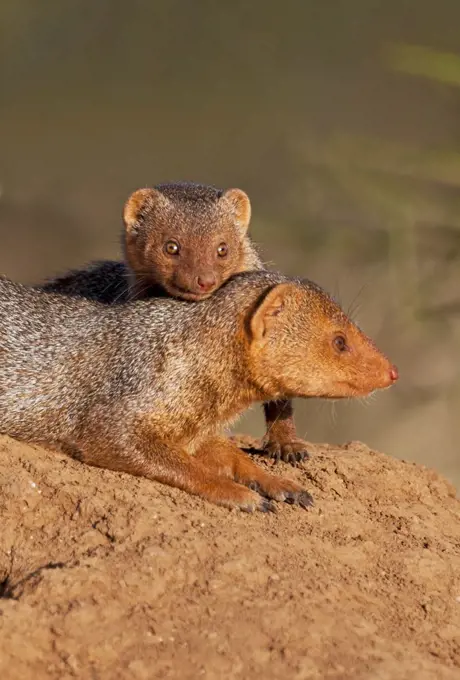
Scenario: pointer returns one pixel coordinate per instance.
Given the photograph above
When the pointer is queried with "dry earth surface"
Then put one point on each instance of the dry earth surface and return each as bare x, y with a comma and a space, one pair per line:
103, 575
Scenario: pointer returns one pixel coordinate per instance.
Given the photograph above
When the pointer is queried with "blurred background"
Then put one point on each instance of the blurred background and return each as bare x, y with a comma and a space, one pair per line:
341, 121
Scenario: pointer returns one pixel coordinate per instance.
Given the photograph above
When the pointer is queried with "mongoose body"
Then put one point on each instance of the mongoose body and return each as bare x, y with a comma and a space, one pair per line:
146, 387
184, 240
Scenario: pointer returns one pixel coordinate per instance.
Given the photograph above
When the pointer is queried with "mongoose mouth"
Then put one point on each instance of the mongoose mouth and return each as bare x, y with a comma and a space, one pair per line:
349, 388
186, 294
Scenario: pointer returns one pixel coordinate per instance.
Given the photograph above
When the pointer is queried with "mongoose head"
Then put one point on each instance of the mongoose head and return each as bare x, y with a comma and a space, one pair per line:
302, 344
187, 238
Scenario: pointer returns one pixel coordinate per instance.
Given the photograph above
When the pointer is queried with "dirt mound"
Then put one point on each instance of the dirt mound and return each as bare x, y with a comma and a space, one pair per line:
103, 575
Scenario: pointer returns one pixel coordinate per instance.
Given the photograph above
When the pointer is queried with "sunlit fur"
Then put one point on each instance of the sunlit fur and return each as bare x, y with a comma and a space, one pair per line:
141, 386
64, 360
296, 343
198, 217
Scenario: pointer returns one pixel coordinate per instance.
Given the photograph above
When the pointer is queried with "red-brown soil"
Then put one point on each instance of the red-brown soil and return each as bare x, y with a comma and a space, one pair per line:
104, 575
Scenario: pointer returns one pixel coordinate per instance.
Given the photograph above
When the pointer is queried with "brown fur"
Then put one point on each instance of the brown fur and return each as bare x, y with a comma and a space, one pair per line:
119, 388
198, 219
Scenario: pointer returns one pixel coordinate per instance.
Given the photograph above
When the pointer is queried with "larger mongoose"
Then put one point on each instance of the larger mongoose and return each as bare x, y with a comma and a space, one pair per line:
146, 387
184, 240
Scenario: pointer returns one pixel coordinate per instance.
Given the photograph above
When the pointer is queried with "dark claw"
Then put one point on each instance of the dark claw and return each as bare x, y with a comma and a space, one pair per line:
306, 500
267, 506
255, 486
285, 452
297, 457
302, 498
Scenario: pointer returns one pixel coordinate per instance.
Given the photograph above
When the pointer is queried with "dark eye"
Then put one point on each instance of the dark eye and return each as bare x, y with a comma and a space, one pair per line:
340, 343
171, 248
222, 250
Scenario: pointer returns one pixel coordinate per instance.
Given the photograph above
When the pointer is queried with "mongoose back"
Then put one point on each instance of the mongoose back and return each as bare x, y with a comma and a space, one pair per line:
146, 387
184, 240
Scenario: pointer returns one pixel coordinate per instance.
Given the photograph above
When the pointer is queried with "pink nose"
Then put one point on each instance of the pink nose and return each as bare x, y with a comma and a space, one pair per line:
206, 282
394, 375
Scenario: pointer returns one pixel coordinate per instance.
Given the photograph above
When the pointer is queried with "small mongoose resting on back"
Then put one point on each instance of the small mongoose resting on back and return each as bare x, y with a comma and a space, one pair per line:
146, 387
184, 240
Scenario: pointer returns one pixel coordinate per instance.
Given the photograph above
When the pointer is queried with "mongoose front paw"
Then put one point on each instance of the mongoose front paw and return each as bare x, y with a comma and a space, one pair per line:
302, 498
283, 490
237, 496
266, 505
258, 503
293, 451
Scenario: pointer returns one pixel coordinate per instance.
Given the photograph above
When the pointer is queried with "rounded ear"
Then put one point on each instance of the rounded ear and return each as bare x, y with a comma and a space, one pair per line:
139, 205
240, 206
269, 308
